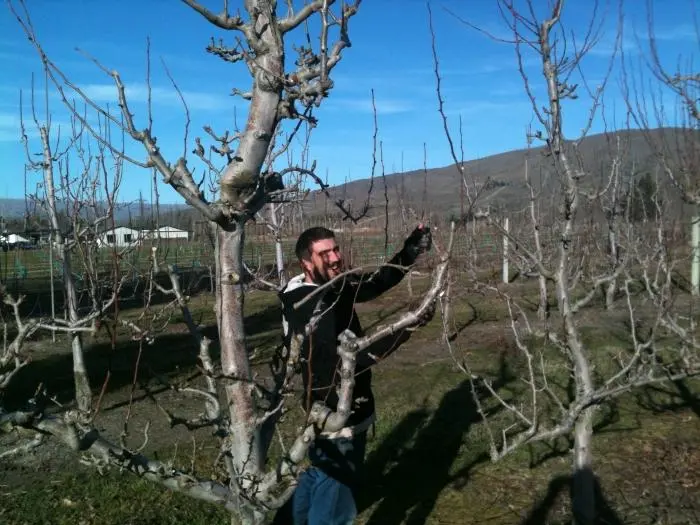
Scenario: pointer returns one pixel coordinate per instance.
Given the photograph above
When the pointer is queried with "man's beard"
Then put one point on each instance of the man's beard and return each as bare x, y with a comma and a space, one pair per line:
322, 277
318, 277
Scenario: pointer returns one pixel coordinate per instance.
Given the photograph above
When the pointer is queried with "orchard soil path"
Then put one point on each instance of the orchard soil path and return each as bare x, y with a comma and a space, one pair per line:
655, 467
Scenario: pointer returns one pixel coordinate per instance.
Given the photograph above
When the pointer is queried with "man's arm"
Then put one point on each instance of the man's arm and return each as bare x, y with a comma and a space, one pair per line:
370, 285
319, 355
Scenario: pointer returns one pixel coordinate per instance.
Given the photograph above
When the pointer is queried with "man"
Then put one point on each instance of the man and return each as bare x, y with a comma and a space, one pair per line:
324, 493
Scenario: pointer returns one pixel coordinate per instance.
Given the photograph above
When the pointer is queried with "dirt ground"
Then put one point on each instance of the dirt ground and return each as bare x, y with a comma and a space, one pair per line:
427, 463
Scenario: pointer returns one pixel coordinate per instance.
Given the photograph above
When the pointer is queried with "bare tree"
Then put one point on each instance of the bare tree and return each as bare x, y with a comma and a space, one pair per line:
546, 411
242, 411
614, 213
536, 220
79, 178
677, 149
86, 196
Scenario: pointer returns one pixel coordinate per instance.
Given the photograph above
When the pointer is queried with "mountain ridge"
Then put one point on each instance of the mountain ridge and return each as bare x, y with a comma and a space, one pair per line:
501, 175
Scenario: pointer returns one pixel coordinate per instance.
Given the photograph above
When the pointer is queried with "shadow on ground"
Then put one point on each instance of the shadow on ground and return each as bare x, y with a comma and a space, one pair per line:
414, 463
607, 422
172, 354
133, 293
539, 513
671, 397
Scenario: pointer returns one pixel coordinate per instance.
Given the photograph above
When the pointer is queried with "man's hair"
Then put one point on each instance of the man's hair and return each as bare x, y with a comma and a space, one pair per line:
310, 236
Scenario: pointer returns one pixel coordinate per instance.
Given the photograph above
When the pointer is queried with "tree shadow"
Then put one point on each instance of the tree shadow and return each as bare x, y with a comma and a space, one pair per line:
539, 513
541, 452
385, 313
413, 464
255, 324
170, 353
37, 292
173, 354
459, 328
674, 397
530, 302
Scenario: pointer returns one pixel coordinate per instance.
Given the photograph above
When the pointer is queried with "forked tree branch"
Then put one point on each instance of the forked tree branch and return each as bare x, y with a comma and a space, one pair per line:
102, 453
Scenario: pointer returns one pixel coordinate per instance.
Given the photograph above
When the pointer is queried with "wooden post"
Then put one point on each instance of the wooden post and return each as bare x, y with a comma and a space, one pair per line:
53, 298
505, 251
695, 264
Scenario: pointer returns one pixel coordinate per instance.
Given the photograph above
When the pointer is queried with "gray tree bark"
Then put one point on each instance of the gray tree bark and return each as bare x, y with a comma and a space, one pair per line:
83, 392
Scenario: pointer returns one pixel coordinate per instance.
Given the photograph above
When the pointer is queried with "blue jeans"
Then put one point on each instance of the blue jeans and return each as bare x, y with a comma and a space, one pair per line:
321, 500
324, 492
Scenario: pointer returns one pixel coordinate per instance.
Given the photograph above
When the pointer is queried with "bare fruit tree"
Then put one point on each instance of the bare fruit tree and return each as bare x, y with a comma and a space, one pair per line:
78, 180
241, 410
566, 378
678, 153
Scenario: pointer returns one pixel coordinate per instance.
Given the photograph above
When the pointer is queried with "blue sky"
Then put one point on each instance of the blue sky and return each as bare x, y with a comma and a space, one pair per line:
390, 53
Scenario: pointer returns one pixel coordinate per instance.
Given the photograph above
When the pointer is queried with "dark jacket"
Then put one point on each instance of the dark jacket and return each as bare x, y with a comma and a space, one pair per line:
319, 354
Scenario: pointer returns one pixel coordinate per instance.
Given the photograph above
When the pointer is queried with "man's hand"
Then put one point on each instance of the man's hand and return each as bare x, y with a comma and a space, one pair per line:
420, 240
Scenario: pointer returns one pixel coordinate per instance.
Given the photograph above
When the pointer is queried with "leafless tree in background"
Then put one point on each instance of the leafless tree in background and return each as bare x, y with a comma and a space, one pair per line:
279, 214
536, 223
79, 178
678, 152
577, 271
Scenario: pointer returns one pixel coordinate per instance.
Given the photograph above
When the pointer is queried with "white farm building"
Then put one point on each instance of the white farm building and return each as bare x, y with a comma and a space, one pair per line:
125, 237
121, 237
13, 239
167, 232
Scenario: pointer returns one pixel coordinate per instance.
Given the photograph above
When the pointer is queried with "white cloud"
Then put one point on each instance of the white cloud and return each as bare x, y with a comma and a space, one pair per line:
10, 128
8, 135
636, 40
11, 125
512, 90
364, 105
8, 119
681, 33
476, 107
6, 56
138, 93
607, 46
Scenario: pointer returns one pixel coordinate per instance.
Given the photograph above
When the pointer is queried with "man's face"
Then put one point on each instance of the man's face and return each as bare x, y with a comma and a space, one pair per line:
325, 261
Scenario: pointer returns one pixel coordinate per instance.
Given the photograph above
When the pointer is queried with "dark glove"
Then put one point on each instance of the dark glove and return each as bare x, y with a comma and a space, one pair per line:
420, 241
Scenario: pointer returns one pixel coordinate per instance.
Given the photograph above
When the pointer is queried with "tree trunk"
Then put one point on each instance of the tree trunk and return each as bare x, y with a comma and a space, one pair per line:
610, 295
583, 486
83, 393
279, 252
613, 228
279, 258
543, 308
246, 456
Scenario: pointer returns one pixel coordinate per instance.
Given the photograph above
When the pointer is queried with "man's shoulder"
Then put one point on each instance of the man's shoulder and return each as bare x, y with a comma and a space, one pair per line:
294, 314
296, 289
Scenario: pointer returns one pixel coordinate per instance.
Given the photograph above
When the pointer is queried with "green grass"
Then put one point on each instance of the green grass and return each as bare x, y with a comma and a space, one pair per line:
428, 461
86, 497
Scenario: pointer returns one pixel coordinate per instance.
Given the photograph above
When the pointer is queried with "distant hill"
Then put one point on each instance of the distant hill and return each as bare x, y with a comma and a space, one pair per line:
503, 175
13, 210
